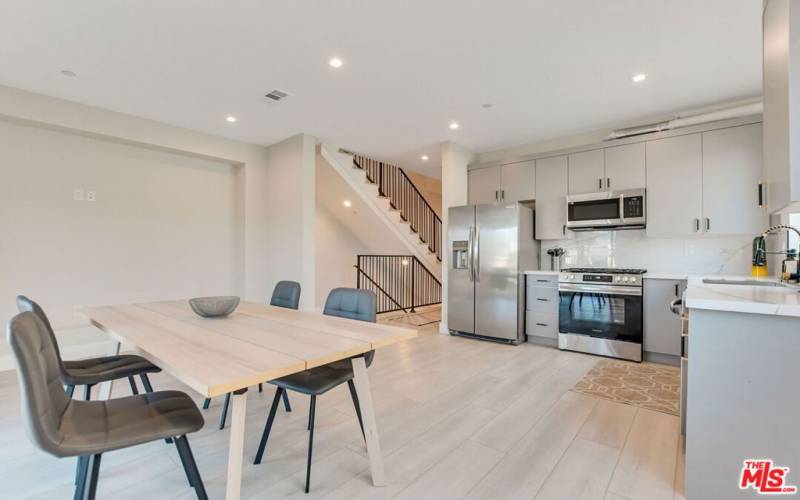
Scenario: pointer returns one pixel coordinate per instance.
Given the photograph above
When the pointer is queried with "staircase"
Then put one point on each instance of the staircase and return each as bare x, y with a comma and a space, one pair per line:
395, 200
405, 198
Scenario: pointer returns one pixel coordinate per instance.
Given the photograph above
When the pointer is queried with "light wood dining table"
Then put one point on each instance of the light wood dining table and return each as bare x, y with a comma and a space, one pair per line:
255, 344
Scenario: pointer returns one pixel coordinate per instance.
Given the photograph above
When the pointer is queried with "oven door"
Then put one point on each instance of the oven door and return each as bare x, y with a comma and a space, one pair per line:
603, 311
594, 212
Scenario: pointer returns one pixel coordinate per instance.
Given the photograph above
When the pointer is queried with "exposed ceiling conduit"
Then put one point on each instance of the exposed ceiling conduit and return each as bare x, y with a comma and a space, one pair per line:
696, 117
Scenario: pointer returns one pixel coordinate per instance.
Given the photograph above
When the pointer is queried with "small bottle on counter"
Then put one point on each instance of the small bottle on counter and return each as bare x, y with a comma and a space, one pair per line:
789, 269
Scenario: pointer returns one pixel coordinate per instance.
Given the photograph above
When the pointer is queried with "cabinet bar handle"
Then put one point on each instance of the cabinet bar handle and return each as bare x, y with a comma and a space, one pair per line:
608, 182
543, 281
543, 300
696, 225
600, 183
760, 195
542, 324
503, 195
677, 292
708, 223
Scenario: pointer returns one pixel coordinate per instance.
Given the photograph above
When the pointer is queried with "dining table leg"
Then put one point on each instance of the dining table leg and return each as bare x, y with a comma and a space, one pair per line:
361, 381
105, 387
236, 448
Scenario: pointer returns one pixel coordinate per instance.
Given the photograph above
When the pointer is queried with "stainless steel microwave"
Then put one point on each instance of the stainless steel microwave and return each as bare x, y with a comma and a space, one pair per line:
607, 210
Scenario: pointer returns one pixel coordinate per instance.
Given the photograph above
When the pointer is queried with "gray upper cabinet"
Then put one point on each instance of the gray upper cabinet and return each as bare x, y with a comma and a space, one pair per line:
518, 181
551, 198
484, 185
662, 328
625, 167
586, 172
512, 182
731, 174
674, 186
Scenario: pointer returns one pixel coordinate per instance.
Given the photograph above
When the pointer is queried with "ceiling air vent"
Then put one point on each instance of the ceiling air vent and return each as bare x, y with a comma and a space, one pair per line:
276, 95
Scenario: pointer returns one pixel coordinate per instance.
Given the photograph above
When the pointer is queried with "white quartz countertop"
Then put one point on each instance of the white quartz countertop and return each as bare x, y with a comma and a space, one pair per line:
776, 301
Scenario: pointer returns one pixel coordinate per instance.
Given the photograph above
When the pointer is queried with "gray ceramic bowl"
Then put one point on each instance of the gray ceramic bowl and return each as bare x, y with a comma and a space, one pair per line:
214, 307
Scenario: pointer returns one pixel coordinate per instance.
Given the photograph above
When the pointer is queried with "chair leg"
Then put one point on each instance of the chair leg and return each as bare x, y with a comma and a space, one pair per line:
268, 426
311, 404
354, 396
146, 382
79, 469
190, 467
134, 389
70, 390
206, 403
80, 477
310, 440
87, 392
91, 480
224, 416
286, 404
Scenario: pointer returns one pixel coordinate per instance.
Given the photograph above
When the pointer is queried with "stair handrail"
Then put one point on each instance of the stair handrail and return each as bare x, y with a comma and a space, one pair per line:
425, 289
416, 189
387, 294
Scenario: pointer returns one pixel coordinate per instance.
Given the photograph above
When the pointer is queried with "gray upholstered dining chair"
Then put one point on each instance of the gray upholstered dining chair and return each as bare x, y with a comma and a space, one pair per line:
65, 427
285, 294
92, 371
348, 303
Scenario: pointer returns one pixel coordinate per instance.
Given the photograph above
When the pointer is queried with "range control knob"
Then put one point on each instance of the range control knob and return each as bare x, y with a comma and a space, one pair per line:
624, 278
633, 280
572, 276
618, 278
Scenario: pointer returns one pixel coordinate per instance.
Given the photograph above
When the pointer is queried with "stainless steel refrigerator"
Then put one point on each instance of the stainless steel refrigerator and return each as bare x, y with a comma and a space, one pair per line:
490, 248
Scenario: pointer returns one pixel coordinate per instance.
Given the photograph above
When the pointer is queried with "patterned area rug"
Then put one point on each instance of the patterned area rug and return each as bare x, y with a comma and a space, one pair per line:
646, 385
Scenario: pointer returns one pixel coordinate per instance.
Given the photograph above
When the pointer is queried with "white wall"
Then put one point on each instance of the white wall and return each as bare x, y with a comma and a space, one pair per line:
280, 219
337, 249
163, 225
241, 215
455, 159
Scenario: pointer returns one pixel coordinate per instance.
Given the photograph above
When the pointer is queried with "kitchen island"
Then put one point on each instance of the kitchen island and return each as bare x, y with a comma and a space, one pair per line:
744, 346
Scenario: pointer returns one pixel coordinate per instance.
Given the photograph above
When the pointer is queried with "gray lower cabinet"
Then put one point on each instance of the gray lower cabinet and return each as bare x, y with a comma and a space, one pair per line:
541, 299
662, 328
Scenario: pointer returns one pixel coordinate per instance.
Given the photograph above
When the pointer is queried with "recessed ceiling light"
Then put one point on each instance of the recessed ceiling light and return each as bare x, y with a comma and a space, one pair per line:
638, 78
230, 119
68, 73
347, 203
335, 62
454, 125
487, 105
424, 158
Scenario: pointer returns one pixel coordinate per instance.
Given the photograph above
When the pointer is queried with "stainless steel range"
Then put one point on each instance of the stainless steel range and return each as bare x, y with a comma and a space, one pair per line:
600, 311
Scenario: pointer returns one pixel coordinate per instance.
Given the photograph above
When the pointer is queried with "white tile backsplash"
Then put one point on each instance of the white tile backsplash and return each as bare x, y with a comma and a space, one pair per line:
705, 254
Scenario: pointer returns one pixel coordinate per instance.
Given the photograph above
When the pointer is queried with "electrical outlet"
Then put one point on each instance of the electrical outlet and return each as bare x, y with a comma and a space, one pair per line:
77, 194
91, 196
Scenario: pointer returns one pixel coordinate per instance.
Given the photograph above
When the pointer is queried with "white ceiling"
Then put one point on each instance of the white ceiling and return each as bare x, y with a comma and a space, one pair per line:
550, 68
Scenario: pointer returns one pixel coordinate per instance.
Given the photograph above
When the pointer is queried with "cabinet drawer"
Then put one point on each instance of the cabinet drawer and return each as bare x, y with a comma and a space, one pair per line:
542, 279
541, 324
542, 299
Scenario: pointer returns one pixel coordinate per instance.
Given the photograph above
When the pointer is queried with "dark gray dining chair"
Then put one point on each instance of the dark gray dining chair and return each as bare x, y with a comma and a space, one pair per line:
348, 303
66, 427
92, 371
285, 294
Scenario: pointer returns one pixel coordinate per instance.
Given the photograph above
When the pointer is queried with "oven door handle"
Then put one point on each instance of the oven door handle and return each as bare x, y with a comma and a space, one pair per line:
600, 289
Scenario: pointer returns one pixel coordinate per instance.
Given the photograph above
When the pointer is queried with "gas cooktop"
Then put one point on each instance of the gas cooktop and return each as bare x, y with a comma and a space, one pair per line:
603, 270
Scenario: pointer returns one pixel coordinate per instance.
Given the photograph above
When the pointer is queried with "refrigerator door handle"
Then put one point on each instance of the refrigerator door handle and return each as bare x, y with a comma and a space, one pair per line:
477, 253
470, 250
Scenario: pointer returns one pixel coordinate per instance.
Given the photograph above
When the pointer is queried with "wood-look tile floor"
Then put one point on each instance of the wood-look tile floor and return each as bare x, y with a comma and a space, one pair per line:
457, 418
